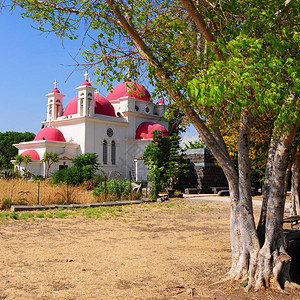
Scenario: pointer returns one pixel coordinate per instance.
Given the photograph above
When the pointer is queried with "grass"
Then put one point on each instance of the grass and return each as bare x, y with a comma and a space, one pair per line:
124, 213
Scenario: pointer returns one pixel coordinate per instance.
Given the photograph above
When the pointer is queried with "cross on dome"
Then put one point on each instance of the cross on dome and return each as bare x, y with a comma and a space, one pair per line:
55, 83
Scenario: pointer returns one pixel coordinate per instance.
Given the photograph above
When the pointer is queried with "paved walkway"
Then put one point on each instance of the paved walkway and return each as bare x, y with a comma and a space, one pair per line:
216, 198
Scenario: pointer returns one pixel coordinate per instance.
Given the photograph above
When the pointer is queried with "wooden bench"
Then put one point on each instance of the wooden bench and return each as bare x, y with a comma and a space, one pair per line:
217, 189
294, 220
222, 190
191, 191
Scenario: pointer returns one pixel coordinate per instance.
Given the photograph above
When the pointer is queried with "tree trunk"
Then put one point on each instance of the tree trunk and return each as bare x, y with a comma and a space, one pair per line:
294, 199
245, 244
273, 262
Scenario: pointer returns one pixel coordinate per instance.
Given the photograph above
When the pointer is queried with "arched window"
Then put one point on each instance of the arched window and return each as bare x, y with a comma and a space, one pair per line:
105, 152
113, 152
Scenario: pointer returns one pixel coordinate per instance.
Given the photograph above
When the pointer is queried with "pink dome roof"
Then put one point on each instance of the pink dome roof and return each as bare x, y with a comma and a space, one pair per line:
86, 82
160, 101
55, 90
50, 134
144, 131
102, 106
130, 89
33, 154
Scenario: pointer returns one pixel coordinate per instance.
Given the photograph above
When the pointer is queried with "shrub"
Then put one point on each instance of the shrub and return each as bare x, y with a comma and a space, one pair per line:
6, 203
98, 179
72, 176
116, 188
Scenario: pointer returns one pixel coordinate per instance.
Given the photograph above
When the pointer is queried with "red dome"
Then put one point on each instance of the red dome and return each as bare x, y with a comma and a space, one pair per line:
33, 154
102, 106
55, 90
160, 101
50, 134
130, 89
86, 82
144, 131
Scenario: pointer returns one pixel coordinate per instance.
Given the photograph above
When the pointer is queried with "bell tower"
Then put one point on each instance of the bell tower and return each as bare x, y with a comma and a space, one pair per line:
54, 108
86, 101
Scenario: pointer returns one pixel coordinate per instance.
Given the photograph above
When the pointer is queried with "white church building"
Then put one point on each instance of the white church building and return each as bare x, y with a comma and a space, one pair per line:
117, 128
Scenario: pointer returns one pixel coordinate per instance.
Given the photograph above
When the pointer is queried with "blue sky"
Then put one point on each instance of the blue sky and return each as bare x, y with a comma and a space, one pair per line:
30, 62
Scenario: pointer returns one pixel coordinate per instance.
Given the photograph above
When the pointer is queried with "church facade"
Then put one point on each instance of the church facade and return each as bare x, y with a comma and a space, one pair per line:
117, 128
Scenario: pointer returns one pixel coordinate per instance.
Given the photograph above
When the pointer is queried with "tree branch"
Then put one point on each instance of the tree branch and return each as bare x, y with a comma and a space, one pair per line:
202, 26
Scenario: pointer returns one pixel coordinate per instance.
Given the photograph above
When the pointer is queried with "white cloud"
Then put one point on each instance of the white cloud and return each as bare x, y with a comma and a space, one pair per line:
186, 139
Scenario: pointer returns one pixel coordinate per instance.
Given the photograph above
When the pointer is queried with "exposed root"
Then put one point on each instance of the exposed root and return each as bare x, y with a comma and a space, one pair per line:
227, 277
291, 286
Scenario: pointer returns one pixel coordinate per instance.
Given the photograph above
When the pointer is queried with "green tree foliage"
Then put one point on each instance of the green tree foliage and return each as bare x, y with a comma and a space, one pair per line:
224, 64
165, 161
7, 150
18, 161
194, 145
84, 169
86, 159
49, 158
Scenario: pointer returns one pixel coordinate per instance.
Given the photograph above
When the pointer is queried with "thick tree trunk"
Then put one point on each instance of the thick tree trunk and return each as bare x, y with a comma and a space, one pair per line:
245, 244
295, 190
273, 262
266, 188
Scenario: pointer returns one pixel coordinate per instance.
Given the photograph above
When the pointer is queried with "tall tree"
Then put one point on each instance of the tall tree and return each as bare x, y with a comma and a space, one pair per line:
240, 59
18, 161
49, 158
7, 150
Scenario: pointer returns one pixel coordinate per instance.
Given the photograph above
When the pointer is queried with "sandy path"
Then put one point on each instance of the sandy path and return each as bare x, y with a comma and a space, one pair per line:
160, 252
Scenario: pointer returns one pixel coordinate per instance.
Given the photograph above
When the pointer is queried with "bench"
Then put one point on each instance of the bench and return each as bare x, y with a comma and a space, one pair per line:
191, 191
136, 187
223, 190
294, 220
217, 189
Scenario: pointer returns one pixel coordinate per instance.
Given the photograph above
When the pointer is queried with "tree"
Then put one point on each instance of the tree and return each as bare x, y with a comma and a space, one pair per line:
7, 150
165, 162
84, 169
27, 160
18, 161
240, 60
87, 159
194, 145
49, 158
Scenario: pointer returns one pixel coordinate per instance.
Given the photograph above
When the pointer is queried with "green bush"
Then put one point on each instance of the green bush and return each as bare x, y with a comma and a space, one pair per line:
117, 188
98, 179
72, 176
6, 203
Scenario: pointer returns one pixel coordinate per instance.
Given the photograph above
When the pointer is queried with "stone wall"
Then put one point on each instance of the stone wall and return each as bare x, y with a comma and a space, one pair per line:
204, 171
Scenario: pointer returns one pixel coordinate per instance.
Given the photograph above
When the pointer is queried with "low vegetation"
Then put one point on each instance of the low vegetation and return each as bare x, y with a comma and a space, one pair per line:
126, 213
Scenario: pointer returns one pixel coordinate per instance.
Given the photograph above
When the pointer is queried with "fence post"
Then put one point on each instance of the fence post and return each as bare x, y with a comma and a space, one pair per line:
67, 193
130, 195
105, 187
38, 199
147, 183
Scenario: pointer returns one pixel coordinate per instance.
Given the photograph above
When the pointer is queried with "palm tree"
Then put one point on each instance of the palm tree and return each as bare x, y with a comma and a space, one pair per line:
18, 161
27, 160
49, 158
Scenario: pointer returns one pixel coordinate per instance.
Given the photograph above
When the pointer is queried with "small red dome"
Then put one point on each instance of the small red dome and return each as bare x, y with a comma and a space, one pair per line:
129, 89
86, 82
50, 134
33, 154
102, 106
160, 101
144, 131
55, 90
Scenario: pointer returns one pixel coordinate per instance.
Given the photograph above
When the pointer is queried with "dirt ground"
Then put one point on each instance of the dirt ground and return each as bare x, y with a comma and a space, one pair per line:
174, 250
